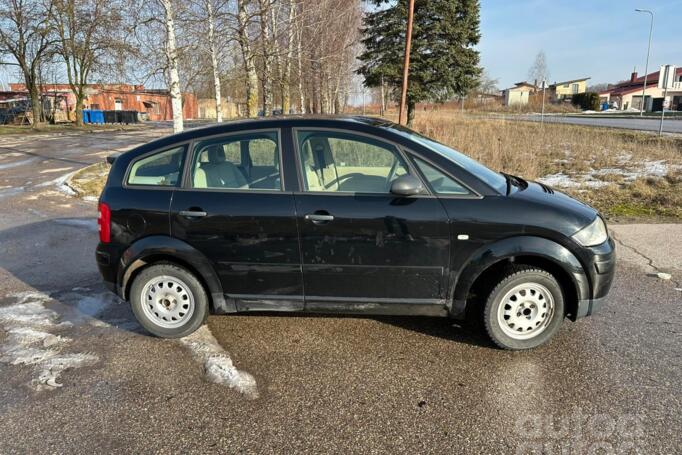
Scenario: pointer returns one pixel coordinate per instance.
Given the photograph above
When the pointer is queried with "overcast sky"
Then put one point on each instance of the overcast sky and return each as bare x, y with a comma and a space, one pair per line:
602, 39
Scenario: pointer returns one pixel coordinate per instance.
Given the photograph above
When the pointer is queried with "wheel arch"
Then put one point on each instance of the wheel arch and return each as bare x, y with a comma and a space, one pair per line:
487, 263
154, 249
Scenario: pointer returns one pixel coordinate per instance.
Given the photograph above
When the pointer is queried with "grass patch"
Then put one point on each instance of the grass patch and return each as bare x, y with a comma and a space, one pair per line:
90, 181
645, 197
67, 127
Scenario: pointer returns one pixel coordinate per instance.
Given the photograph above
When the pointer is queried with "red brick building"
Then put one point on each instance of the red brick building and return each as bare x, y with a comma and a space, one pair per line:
156, 103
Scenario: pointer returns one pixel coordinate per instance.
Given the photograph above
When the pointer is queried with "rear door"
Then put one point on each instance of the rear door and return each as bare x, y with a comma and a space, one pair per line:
232, 208
359, 242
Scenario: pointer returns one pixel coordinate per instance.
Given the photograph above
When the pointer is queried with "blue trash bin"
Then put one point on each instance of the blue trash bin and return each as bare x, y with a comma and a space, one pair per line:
86, 116
97, 116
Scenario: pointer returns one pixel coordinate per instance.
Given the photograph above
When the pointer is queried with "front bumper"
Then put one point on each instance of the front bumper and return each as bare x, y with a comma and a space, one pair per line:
601, 268
588, 307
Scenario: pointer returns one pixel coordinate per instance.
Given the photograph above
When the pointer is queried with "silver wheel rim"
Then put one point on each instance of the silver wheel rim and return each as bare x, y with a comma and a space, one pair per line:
525, 311
167, 301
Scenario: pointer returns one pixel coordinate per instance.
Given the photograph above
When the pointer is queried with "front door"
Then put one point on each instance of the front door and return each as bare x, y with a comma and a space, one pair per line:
359, 242
232, 208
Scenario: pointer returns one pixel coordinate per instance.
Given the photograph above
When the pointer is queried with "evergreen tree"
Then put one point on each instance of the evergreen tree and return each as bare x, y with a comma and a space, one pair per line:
443, 62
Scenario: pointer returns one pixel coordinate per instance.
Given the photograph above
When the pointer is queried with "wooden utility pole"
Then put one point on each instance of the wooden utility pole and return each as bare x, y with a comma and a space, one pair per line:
402, 116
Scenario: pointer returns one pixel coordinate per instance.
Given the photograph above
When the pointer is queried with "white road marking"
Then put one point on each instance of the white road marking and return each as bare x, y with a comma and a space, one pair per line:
218, 366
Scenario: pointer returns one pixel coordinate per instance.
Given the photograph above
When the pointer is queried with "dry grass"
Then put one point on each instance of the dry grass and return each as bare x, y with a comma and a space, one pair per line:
532, 150
90, 180
64, 127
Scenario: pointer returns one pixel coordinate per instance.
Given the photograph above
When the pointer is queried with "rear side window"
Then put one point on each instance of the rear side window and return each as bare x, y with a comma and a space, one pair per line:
247, 161
159, 169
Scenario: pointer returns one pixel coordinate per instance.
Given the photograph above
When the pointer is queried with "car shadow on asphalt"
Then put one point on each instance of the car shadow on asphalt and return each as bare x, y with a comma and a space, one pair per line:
56, 258
437, 327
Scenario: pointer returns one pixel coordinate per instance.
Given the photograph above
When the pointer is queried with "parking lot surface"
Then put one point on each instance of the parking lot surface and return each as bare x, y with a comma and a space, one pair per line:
80, 376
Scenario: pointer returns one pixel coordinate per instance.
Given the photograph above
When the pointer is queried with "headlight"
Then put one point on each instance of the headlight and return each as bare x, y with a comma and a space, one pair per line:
592, 234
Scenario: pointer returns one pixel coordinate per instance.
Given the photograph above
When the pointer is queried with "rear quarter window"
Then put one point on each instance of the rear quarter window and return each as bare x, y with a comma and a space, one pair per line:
163, 168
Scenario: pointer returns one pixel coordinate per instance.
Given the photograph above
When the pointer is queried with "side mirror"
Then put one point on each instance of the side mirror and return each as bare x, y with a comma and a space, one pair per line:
407, 185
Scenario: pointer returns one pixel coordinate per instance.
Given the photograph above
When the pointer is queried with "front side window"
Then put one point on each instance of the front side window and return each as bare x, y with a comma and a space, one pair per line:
239, 162
342, 162
440, 182
160, 169
490, 177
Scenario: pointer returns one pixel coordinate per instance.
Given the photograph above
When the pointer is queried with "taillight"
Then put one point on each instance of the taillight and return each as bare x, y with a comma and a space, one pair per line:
104, 222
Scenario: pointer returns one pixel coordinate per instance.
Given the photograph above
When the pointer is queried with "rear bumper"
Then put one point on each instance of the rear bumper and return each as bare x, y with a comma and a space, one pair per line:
107, 263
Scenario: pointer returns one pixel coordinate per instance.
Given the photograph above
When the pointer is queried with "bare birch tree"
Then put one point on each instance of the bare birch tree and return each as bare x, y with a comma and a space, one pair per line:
243, 22
285, 82
214, 59
172, 58
264, 10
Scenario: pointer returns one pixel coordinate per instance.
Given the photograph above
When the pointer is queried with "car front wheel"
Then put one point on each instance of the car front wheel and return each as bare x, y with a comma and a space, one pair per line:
524, 310
168, 301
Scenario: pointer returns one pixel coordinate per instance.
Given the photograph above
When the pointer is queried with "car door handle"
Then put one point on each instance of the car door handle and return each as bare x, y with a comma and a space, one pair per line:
319, 218
193, 213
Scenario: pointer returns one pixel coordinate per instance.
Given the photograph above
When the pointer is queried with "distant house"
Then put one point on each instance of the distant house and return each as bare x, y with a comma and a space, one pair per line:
566, 89
628, 94
519, 94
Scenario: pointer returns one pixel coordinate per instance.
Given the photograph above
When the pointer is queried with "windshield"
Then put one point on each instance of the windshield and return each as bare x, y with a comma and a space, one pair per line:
492, 178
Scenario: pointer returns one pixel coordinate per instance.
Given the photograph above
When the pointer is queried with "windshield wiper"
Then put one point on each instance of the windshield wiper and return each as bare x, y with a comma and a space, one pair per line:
514, 180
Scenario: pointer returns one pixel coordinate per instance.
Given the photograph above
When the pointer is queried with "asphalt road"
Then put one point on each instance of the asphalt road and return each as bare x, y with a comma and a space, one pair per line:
324, 384
630, 123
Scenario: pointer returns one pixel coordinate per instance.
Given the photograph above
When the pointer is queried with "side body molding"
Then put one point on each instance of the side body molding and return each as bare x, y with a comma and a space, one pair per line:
157, 247
488, 255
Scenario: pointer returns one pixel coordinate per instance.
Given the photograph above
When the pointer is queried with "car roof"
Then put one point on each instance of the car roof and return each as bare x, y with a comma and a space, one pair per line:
350, 122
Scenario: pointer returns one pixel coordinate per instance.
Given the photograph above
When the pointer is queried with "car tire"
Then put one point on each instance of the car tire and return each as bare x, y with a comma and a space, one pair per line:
168, 300
524, 310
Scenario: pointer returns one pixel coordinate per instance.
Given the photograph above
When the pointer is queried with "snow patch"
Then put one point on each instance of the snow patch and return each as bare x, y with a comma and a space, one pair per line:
559, 180
60, 183
629, 173
217, 363
53, 367
50, 171
29, 342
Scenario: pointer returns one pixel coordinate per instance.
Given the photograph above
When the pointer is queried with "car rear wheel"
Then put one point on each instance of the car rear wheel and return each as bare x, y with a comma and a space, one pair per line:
168, 300
524, 310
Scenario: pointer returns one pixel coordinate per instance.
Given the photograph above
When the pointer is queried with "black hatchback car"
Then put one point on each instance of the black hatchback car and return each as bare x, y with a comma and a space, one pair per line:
343, 215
